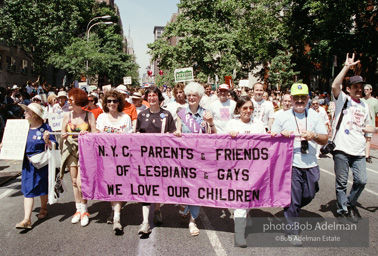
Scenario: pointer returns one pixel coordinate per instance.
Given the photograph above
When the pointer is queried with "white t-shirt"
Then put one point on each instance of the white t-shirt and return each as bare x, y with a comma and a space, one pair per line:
222, 113
313, 122
278, 113
253, 127
323, 113
173, 106
103, 124
350, 137
207, 100
263, 110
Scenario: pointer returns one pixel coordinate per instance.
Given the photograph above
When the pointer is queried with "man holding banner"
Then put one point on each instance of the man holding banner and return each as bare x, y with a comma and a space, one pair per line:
309, 129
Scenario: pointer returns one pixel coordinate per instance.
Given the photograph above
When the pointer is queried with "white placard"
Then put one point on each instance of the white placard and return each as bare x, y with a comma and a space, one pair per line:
83, 85
184, 74
56, 120
244, 83
14, 140
127, 80
106, 88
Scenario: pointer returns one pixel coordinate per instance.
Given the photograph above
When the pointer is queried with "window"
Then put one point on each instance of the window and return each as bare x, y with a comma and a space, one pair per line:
9, 63
24, 67
13, 64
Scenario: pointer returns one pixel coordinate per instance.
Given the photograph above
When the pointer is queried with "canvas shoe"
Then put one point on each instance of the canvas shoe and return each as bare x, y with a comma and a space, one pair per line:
84, 219
76, 218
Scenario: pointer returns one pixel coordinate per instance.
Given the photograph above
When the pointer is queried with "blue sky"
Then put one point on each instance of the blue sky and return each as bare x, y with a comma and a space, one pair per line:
142, 16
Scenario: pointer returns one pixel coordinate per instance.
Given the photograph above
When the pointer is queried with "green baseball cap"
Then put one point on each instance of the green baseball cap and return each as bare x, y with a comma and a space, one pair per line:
299, 89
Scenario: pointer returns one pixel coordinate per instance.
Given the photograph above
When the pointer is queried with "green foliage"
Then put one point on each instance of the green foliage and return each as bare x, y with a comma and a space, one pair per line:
217, 37
42, 27
296, 39
53, 32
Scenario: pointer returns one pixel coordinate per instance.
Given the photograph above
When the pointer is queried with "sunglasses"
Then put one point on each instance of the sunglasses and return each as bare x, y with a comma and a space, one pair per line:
110, 101
245, 108
90, 100
36, 100
302, 97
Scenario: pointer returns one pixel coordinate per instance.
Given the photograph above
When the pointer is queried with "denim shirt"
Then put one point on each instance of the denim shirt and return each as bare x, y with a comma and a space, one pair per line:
198, 117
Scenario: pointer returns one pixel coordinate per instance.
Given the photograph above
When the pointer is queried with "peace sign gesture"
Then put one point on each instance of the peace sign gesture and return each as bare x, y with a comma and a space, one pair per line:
349, 62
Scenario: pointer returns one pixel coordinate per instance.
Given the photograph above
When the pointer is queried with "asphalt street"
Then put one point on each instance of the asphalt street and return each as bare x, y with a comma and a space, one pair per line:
57, 236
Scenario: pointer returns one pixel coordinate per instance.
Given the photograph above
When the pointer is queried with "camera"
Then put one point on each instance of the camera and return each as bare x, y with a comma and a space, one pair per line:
304, 147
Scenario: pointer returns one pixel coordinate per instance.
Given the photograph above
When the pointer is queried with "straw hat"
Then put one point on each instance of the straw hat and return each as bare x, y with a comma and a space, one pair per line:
35, 107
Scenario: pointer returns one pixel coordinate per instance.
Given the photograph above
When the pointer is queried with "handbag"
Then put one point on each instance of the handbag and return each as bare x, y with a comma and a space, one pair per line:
39, 160
330, 146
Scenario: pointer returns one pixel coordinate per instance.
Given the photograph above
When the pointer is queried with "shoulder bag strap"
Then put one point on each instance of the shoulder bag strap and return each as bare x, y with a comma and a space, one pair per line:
340, 119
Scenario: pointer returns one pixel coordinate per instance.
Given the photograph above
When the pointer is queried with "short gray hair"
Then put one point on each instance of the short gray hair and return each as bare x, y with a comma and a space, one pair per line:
194, 87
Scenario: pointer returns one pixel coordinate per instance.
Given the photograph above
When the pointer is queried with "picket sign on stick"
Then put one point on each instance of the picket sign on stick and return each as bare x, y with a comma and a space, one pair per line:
60, 133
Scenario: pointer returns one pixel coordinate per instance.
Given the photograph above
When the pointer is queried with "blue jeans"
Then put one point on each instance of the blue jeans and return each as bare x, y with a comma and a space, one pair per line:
194, 210
342, 163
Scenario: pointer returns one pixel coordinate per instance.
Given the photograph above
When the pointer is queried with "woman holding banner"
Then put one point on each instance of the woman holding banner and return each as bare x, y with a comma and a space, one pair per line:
193, 119
153, 120
80, 121
34, 181
113, 120
245, 124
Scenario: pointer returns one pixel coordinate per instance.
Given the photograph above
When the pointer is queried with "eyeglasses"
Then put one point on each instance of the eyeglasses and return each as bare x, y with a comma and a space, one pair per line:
90, 100
302, 97
110, 101
245, 108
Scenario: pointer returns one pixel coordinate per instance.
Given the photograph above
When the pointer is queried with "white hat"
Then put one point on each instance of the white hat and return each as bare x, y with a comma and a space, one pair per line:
224, 87
62, 94
14, 87
37, 97
136, 95
35, 107
122, 89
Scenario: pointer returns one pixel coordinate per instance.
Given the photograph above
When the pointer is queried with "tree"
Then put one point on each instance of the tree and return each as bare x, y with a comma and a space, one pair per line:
219, 37
43, 27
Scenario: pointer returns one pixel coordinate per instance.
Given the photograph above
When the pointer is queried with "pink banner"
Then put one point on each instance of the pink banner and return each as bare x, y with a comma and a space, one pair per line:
195, 169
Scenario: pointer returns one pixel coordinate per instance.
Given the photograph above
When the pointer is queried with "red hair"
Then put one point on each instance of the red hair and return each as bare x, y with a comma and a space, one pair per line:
80, 97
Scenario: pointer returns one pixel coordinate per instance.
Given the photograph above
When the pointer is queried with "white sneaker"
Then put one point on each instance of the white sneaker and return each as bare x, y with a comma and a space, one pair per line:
144, 229
117, 225
76, 218
84, 219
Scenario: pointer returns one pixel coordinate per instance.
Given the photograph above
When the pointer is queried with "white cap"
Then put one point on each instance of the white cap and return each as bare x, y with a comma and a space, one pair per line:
35, 107
122, 89
62, 94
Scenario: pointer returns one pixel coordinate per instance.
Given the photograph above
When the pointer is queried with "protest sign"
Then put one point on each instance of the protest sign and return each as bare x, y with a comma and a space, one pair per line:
208, 170
14, 139
56, 120
183, 74
127, 80
228, 80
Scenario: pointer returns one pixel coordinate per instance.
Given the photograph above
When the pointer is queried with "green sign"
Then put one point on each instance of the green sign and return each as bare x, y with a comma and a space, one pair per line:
183, 74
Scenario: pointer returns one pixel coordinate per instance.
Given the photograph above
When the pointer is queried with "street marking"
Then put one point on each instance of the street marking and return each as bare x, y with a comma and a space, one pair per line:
7, 192
371, 170
366, 189
214, 240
